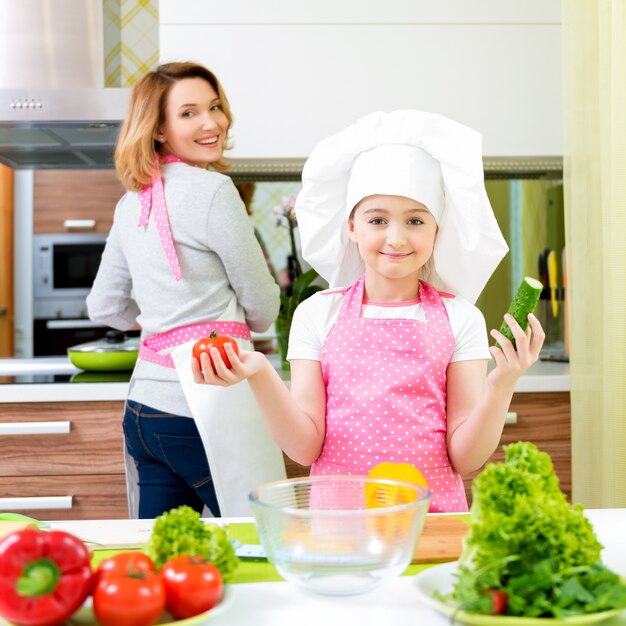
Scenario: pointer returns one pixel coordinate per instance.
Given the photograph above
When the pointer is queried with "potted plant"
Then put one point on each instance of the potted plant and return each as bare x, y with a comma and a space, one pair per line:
301, 289
300, 285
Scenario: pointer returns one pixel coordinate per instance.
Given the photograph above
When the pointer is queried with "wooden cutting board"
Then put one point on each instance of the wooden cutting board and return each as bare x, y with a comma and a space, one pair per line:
441, 540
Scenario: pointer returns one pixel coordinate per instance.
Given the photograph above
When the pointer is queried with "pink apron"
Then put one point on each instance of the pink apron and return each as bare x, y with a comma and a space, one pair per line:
153, 198
386, 395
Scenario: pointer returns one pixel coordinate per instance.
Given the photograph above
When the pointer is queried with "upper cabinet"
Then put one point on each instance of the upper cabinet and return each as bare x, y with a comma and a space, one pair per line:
295, 72
64, 201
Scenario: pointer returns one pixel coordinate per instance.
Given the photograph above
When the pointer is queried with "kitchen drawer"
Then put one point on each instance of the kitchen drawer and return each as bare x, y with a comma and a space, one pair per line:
545, 419
94, 443
59, 202
89, 496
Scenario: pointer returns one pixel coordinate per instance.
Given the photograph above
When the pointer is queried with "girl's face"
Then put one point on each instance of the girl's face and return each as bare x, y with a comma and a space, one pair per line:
195, 125
395, 236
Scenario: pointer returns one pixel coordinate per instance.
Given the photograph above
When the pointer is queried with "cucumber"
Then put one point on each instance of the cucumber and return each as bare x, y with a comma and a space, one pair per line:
524, 302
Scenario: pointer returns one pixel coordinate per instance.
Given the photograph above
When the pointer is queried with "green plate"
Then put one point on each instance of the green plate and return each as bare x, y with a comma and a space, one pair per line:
440, 579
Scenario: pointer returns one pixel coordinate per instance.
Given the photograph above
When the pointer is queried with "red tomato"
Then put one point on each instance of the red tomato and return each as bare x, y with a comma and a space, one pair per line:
123, 564
214, 341
499, 600
129, 600
192, 585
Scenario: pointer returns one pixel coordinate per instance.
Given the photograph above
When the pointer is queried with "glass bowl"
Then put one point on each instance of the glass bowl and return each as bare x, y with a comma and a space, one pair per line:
339, 535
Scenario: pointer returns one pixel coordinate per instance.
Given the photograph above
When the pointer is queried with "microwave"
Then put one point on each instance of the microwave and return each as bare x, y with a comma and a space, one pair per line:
64, 268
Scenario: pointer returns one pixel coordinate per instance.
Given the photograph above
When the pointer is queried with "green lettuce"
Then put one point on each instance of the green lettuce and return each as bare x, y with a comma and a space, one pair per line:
527, 540
181, 531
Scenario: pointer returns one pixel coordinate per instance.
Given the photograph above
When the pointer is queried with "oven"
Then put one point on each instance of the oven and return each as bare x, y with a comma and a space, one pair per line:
64, 268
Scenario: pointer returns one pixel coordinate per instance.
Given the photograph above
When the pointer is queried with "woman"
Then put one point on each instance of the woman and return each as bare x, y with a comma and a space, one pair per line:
181, 260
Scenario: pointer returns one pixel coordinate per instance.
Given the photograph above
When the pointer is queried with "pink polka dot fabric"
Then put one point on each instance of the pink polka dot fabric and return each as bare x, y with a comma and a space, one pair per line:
150, 346
153, 197
386, 395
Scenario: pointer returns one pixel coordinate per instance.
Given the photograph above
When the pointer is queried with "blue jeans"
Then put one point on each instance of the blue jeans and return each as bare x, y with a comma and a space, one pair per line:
170, 460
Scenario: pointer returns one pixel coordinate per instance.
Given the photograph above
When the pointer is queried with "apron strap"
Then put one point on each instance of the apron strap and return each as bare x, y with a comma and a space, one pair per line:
150, 346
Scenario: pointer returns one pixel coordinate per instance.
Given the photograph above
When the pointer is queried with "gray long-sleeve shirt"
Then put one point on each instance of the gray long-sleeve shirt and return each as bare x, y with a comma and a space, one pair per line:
219, 258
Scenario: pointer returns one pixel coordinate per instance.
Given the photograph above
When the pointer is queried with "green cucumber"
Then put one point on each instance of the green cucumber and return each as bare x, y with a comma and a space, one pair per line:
524, 302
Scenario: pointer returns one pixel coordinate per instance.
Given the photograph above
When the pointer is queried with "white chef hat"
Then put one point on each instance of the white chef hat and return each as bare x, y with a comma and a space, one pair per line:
422, 156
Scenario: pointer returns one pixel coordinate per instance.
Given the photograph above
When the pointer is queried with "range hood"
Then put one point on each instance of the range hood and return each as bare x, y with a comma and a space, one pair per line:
54, 109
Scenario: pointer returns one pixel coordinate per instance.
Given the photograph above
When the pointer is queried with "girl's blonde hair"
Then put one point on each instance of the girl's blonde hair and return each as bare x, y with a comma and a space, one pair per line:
137, 151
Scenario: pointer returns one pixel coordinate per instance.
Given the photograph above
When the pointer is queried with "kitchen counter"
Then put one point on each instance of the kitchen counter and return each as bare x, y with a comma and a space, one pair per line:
55, 379
394, 604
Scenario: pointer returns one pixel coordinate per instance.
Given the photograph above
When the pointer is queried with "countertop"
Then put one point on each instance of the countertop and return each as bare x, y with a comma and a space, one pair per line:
55, 379
393, 604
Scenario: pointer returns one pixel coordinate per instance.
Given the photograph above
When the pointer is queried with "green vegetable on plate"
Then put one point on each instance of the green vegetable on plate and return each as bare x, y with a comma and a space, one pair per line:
523, 303
528, 541
181, 531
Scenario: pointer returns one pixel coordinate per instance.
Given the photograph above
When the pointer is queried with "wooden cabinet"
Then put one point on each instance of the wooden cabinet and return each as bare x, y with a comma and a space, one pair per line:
68, 451
83, 461
7, 309
66, 201
543, 418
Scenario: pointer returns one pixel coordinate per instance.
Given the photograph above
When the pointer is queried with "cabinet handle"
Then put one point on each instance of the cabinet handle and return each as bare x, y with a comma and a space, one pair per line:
72, 324
36, 503
34, 428
79, 224
511, 417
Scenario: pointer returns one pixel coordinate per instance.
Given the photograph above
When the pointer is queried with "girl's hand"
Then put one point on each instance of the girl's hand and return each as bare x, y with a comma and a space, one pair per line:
243, 366
512, 363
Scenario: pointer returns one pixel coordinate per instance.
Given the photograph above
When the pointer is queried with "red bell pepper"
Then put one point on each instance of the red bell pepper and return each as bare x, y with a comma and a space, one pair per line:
44, 576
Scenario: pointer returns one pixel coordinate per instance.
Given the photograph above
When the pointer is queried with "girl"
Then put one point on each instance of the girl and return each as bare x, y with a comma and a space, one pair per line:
180, 261
393, 366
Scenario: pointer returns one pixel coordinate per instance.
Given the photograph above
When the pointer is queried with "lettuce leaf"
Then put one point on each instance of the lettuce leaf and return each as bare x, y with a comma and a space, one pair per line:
526, 539
181, 531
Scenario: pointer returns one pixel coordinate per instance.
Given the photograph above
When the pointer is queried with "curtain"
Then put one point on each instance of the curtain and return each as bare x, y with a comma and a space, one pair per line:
594, 106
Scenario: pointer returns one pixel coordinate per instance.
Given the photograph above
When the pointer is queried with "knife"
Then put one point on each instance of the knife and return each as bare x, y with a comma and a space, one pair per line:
542, 268
552, 281
248, 550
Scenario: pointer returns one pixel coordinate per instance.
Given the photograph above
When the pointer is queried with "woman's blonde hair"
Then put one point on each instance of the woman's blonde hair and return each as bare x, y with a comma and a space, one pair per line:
137, 151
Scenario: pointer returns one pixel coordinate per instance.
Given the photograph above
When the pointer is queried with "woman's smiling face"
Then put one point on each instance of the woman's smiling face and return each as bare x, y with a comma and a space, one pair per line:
195, 126
395, 235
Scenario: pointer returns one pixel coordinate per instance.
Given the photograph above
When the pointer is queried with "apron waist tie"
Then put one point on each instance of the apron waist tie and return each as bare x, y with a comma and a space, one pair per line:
150, 346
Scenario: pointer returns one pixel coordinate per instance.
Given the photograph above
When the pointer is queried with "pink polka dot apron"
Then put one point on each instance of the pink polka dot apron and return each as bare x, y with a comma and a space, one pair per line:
386, 394
242, 454
153, 201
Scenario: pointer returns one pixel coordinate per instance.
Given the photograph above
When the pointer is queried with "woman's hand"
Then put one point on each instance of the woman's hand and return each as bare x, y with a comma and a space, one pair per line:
512, 363
247, 364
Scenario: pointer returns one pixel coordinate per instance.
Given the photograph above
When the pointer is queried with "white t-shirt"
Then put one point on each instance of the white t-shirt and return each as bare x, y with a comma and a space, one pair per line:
314, 318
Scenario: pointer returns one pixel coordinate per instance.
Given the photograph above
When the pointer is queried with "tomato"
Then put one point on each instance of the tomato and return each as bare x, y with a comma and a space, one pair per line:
499, 600
124, 564
136, 599
214, 341
192, 585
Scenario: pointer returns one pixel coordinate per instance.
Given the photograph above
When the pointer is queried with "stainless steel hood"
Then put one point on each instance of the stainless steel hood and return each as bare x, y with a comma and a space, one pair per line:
54, 109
